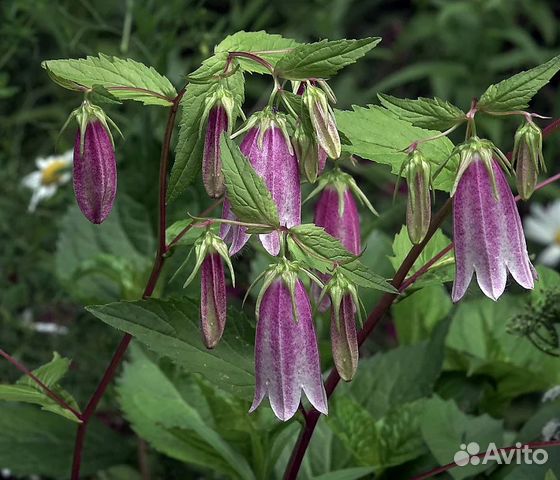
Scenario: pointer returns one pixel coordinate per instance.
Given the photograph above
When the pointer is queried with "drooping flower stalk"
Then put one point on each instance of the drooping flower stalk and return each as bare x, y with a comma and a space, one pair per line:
267, 146
286, 352
487, 230
219, 110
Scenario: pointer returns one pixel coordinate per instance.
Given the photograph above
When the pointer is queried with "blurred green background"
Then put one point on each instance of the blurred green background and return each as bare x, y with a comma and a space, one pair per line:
449, 48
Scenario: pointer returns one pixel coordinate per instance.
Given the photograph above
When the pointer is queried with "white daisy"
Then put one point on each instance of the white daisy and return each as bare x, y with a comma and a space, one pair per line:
543, 226
51, 173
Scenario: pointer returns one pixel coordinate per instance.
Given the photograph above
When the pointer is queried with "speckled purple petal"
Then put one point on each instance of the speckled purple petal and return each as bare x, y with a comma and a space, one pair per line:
286, 353
213, 302
95, 173
344, 339
487, 234
212, 175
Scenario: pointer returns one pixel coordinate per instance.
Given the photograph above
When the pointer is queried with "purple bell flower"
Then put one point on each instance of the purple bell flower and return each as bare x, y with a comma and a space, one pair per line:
268, 148
286, 352
212, 175
95, 171
487, 230
344, 338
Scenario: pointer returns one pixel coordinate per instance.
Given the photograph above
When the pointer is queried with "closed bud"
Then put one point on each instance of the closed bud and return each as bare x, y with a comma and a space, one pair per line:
323, 120
219, 111
311, 157
95, 168
419, 204
527, 158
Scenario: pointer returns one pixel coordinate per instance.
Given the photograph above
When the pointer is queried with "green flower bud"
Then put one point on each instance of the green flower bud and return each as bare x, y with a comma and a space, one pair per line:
527, 158
322, 119
311, 157
419, 204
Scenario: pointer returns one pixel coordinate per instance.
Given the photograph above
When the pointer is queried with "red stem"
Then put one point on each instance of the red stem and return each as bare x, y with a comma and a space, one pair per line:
38, 381
150, 286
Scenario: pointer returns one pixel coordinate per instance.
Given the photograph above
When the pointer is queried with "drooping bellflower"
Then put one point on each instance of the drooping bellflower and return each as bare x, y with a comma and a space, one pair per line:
286, 352
267, 146
487, 230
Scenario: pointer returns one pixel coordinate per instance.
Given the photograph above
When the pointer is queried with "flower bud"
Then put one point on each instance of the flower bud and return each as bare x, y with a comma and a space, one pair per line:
323, 120
95, 168
527, 158
419, 204
211, 251
311, 157
344, 340
219, 110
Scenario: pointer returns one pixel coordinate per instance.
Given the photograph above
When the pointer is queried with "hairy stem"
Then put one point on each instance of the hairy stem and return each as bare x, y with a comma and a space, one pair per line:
148, 291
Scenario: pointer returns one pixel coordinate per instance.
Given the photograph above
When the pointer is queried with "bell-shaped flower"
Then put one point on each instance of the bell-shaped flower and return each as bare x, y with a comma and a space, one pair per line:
487, 230
94, 168
267, 146
286, 352
419, 203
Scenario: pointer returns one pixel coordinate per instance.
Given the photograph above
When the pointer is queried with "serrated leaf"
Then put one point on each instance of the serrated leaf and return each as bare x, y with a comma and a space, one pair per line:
174, 426
188, 151
100, 94
377, 134
171, 329
516, 92
317, 249
270, 47
322, 59
139, 82
28, 391
445, 428
250, 199
431, 113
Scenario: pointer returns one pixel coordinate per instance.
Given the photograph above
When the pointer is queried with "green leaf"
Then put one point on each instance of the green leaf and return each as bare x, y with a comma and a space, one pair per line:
33, 442
516, 92
190, 143
102, 263
431, 113
28, 391
315, 248
125, 79
479, 337
161, 414
550, 476
322, 59
170, 328
416, 315
441, 271
445, 428
270, 47
247, 193
100, 94
376, 134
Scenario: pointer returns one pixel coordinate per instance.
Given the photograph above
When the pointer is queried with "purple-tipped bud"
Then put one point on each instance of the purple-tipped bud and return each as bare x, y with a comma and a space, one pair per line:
95, 171
286, 352
527, 157
269, 150
213, 303
344, 338
212, 175
487, 230
419, 202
